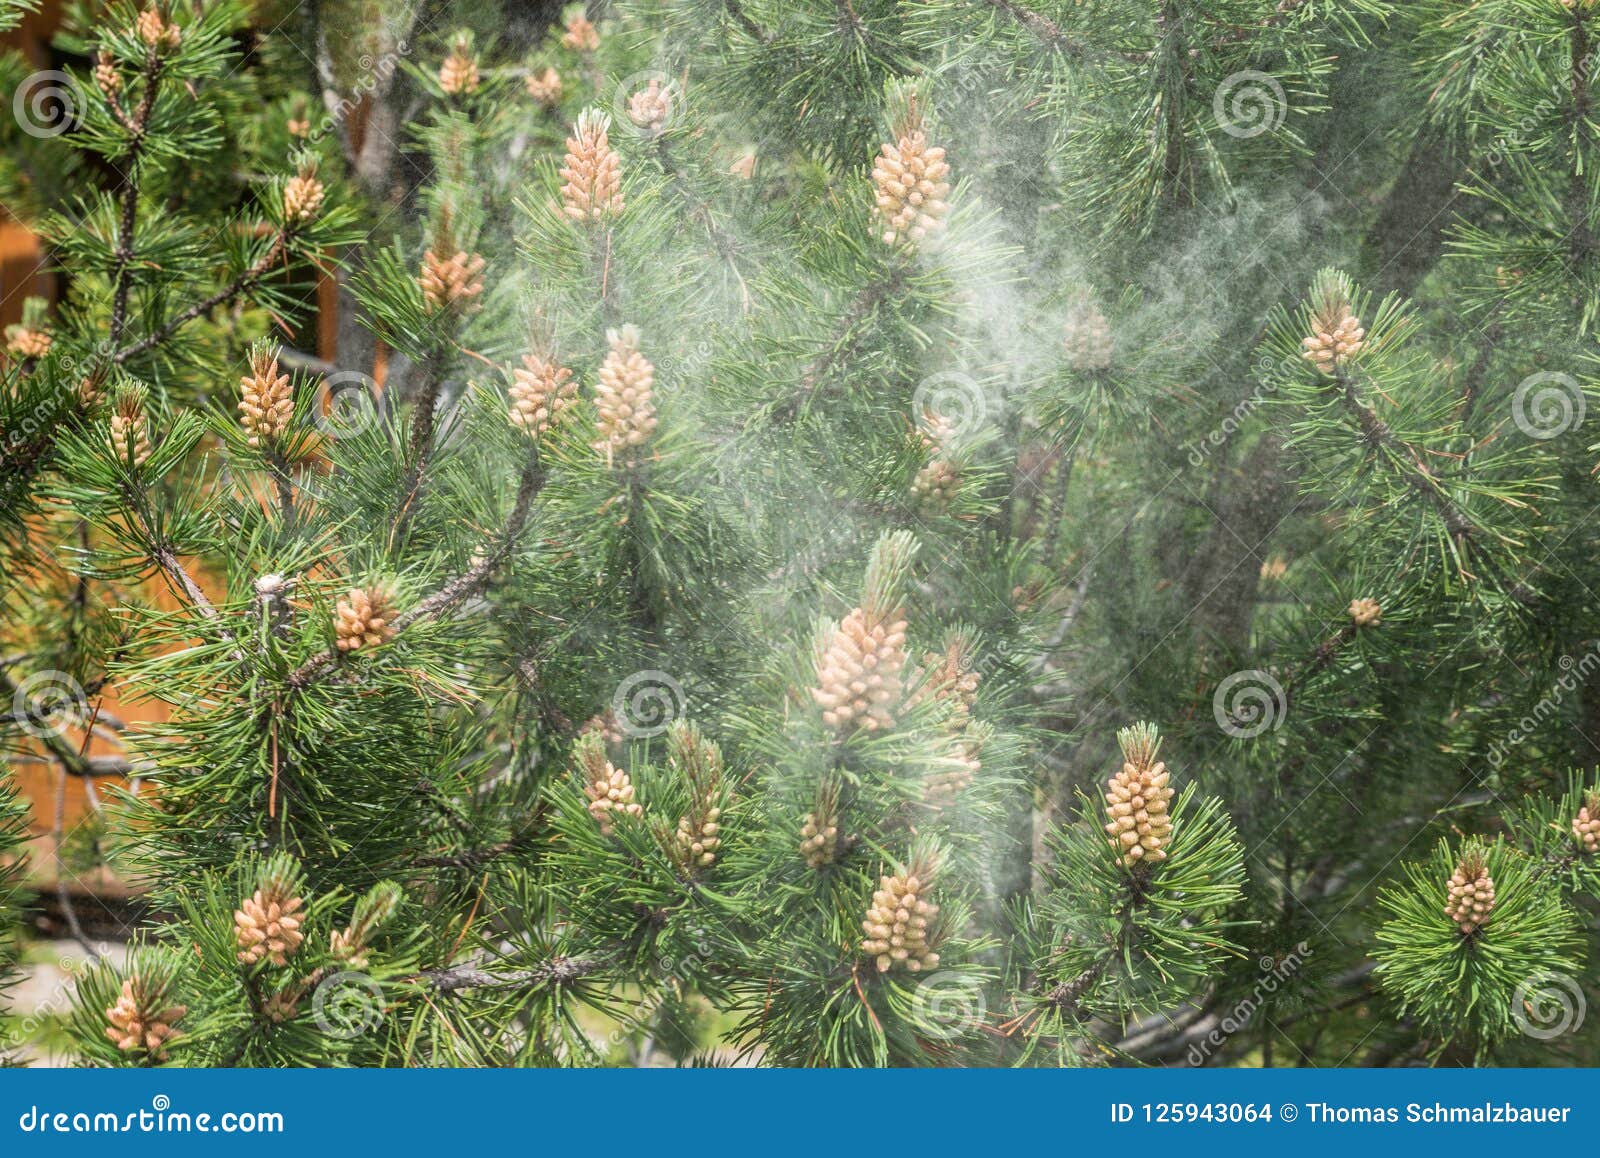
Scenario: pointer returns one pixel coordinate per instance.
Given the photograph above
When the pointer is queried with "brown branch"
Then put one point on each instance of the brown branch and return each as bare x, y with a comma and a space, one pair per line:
1046, 30
420, 447
561, 971
471, 581
845, 345
742, 18
227, 293
1414, 470
475, 858
122, 276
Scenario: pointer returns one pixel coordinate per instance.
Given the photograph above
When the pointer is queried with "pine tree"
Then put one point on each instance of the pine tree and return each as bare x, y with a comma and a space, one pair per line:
13, 826
928, 533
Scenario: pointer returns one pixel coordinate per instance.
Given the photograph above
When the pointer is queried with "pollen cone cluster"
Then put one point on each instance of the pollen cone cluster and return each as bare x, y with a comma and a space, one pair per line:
624, 395
280, 1007
1087, 336
897, 921
604, 724
27, 342
459, 72
581, 34
1471, 894
544, 87
1137, 799
609, 788
943, 786
591, 174
92, 387
820, 842
130, 430
1586, 825
349, 947
156, 31
1365, 612
363, 619
948, 678
651, 107
105, 75
267, 924
302, 197
911, 181
697, 837
142, 1020
697, 762
266, 402
1335, 337
540, 390
858, 673
935, 485
819, 839
449, 277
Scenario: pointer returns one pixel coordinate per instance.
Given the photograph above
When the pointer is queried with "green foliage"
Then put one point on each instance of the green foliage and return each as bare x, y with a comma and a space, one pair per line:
709, 574
1473, 984
13, 827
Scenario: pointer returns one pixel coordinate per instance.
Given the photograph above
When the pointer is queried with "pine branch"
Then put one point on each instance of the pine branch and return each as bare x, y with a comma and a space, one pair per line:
1581, 241
1413, 469
1046, 30
163, 556
122, 275
471, 581
726, 247
561, 971
736, 10
420, 445
240, 284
